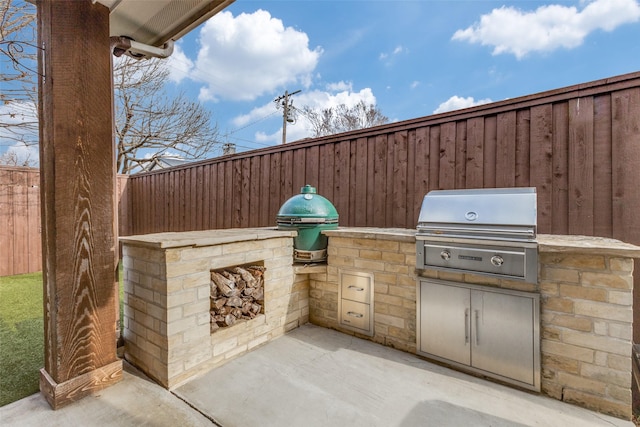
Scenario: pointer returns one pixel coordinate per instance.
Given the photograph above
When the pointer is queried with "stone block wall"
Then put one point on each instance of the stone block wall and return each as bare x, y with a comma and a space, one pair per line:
587, 329
391, 258
166, 315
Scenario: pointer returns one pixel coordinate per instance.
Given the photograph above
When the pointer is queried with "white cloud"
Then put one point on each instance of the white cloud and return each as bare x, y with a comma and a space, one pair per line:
414, 84
257, 114
180, 66
243, 57
386, 56
321, 99
342, 93
511, 30
457, 103
339, 86
273, 138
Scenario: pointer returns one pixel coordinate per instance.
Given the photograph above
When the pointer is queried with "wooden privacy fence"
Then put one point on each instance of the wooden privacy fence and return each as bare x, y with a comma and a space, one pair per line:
580, 146
20, 227
20, 245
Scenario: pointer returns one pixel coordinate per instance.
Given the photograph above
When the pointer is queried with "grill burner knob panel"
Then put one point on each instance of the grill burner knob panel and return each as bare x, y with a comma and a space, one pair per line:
445, 255
497, 260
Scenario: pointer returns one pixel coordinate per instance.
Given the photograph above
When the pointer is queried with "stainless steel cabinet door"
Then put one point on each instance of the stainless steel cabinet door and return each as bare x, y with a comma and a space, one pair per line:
445, 323
502, 334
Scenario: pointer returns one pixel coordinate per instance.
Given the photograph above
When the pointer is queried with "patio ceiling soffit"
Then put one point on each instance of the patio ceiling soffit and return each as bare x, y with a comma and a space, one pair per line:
143, 28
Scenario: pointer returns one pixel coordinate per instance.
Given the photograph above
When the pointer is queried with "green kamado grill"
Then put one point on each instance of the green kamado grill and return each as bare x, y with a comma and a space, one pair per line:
309, 214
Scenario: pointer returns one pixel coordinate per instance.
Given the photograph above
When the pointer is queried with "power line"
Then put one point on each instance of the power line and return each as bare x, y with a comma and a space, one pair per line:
250, 124
250, 141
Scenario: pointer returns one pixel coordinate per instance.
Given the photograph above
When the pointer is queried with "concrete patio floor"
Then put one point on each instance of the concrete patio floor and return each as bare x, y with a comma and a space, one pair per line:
312, 377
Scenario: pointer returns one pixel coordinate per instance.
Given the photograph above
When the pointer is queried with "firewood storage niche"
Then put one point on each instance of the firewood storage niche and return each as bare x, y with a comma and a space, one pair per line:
237, 294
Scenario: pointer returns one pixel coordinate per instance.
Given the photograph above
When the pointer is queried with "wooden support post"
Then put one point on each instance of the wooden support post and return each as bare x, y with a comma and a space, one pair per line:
77, 200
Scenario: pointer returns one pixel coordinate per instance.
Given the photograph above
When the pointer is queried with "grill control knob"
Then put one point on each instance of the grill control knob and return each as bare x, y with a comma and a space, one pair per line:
497, 260
445, 255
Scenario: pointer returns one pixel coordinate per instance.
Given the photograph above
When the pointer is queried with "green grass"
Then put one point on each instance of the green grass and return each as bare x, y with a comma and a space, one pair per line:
22, 335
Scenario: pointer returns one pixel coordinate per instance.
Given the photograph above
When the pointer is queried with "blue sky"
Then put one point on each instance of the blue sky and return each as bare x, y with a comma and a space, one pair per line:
410, 58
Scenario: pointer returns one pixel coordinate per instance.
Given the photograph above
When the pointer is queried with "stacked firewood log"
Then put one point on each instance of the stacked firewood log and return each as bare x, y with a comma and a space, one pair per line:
236, 293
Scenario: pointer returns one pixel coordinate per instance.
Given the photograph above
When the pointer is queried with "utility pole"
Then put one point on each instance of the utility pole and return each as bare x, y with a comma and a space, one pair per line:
283, 101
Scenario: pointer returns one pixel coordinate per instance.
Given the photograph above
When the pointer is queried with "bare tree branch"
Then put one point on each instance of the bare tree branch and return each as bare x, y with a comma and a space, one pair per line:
18, 98
329, 121
149, 122
11, 158
17, 39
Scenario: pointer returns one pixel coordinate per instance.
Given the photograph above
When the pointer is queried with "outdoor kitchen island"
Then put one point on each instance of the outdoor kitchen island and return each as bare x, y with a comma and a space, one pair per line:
585, 288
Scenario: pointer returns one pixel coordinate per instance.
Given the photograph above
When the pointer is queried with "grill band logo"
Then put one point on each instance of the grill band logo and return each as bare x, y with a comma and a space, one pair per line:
470, 258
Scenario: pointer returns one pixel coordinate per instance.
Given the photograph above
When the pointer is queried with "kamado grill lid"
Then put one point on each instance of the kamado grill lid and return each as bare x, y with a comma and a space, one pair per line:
307, 207
487, 213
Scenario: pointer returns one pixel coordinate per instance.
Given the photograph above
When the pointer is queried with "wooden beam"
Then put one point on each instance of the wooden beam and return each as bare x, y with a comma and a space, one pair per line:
77, 201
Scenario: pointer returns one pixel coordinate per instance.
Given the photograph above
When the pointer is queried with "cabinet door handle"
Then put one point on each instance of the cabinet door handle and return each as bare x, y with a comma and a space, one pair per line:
466, 326
355, 288
354, 314
477, 331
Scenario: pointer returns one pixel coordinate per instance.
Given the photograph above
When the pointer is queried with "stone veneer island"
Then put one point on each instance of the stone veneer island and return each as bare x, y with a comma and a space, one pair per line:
585, 285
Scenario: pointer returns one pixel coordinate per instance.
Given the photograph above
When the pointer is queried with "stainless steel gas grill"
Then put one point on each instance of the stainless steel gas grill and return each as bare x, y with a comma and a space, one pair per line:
483, 231
481, 328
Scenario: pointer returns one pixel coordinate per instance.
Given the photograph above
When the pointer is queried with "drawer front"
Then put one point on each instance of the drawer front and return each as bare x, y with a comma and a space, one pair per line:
356, 286
355, 315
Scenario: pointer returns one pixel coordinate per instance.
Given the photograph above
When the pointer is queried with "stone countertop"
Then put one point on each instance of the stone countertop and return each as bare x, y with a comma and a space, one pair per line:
205, 237
397, 234
546, 242
586, 245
